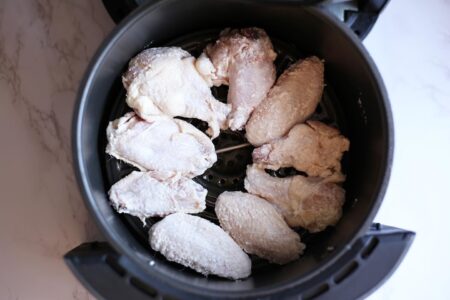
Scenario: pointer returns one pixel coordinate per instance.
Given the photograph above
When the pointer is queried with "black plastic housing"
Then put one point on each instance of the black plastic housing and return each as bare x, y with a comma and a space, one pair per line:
359, 15
367, 264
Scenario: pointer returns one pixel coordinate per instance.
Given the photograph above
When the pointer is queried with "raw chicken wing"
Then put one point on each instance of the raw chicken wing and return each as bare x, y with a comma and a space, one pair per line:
290, 101
162, 144
165, 81
149, 194
258, 227
313, 148
309, 202
199, 244
243, 59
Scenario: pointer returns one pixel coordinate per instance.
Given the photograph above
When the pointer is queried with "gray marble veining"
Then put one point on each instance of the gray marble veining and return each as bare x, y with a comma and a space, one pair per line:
45, 46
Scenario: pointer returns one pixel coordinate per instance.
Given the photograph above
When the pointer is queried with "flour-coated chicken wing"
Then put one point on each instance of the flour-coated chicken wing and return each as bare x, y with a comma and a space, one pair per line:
258, 227
309, 202
150, 194
313, 147
160, 144
292, 99
199, 244
164, 81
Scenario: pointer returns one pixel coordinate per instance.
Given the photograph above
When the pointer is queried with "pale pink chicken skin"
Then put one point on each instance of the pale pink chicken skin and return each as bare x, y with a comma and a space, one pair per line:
242, 59
309, 202
313, 148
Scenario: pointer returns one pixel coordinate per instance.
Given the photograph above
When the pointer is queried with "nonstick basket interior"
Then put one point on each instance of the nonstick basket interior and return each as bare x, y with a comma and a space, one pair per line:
228, 173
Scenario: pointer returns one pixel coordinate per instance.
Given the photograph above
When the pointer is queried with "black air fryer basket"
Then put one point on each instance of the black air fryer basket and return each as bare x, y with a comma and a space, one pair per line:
345, 262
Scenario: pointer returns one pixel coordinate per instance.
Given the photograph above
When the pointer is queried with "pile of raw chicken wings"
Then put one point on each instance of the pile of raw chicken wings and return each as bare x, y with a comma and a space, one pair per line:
167, 82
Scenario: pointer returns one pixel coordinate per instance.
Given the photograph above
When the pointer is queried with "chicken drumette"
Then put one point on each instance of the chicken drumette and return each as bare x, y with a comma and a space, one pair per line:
242, 59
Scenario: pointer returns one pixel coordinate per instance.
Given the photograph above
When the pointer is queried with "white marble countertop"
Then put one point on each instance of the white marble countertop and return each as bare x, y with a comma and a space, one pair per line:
44, 49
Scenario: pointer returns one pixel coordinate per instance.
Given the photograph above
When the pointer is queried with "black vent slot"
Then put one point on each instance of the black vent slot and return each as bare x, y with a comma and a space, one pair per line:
345, 272
144, 288
112, 262
370, 247
316, 292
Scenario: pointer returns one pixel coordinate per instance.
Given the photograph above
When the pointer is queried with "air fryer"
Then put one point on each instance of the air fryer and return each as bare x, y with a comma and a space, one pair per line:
347, 261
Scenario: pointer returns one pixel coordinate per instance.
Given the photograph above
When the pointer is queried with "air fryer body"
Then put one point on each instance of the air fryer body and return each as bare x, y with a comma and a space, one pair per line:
359, 106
